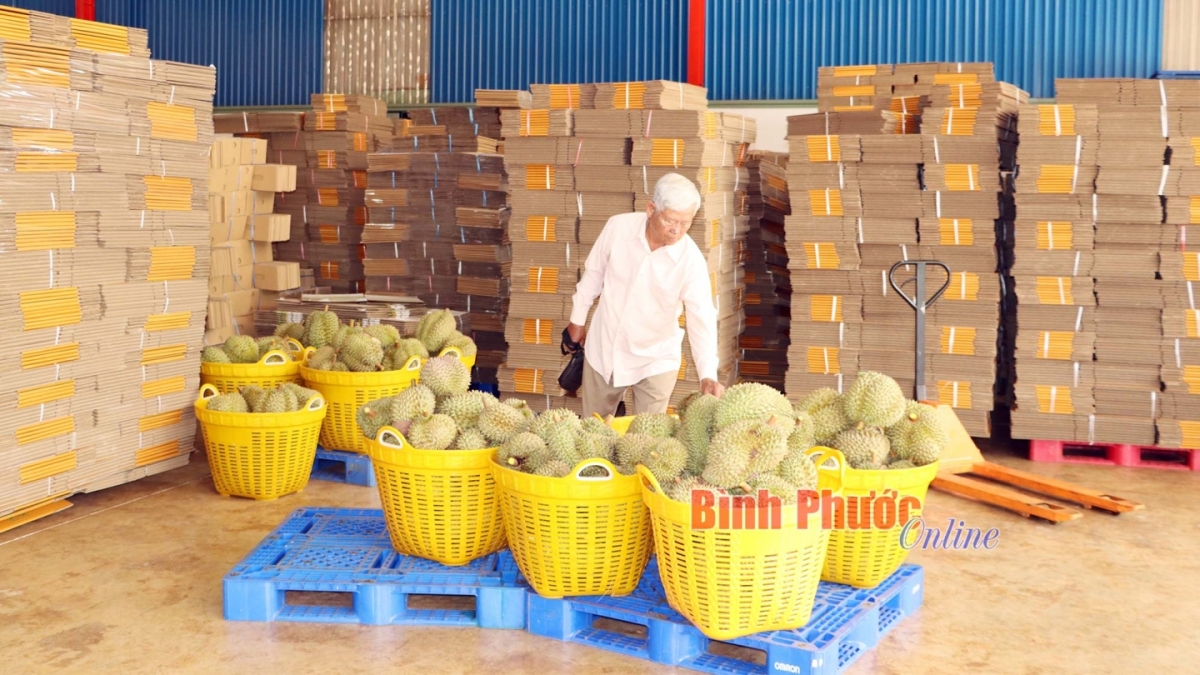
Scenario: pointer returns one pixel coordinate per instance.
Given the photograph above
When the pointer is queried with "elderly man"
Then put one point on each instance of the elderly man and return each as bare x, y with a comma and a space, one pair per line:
646, 270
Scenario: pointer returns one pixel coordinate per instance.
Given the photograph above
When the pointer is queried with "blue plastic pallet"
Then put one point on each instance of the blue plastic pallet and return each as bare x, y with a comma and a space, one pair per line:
846, 623
337, 466
347, 552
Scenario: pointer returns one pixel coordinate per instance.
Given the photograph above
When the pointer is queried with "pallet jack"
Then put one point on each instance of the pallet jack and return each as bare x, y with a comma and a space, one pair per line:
963, 471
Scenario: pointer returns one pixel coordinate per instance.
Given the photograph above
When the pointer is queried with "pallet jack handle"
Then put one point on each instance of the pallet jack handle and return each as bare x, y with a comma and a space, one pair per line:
919, 302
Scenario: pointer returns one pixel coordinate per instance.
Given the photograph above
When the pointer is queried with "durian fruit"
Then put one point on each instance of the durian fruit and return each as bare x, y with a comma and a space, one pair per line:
660, 425
521, 405
446, 376
214, 355
666, 458
631, 450
741, 445
232, 403
339, 367
555, 468
589, 445
320, 328
919, 435
361, 353
827, 412
499, 423
902, 464
435, 328
266, 344
303, 394
681, 488
798, 469
373, 416
241, 349
465, 408
471, 439
696, 430
774, 484
255, 397
415, 403
752, 401
519, 448
386, 334
405, 349
772, 446
687, 402
803, 434
277, 402
593, 425
466, 346
290, 330
553, 418
322, 359
560, 440
437, 432
863, 446
875, 400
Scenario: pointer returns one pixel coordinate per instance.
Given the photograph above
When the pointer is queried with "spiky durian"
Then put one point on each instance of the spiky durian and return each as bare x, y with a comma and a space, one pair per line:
519, 448
415, 403
436, 432
446, 376
874, 399
666, 458
863, 446
361, 353
435, 328
214, 355
471, 439
466, 346
241, 349
320, 328
373, 416
386, 334
499, 423
660, 425
465, 408
696, 430
752, 401
232, 403
798, 469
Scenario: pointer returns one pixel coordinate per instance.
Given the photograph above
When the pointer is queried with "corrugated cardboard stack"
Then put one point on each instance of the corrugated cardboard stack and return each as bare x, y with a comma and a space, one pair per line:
764, 340
585, 153
1052, 262
244, 278
380, 48
104, 255
881, 196
711, 149
541, 155
331, 184
437, 213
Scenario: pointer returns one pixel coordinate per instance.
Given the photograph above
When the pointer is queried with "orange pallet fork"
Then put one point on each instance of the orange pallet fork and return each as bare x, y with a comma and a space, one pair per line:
963, 470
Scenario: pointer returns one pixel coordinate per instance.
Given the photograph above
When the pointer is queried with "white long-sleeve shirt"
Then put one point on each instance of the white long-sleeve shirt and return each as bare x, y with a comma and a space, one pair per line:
635, 332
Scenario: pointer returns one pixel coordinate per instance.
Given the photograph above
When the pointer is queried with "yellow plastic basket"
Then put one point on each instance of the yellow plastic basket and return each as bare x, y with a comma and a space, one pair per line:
345, 393
864, 558
260, 455
735, 582
439, 504
275, 368
576, 535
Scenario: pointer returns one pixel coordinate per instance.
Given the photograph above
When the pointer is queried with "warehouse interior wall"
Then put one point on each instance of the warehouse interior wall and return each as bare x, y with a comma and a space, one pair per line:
772, 124
1181, 25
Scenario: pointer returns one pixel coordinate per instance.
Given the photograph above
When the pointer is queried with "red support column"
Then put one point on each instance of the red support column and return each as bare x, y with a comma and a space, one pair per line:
695, 42
85, 9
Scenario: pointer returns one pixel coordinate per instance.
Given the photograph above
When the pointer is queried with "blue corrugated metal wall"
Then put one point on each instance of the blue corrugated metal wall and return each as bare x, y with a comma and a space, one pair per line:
510, 44
267, 52
771, 49
62, 7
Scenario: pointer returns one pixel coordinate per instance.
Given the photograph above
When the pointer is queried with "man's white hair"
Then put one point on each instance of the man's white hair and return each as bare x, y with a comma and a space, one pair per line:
673, 192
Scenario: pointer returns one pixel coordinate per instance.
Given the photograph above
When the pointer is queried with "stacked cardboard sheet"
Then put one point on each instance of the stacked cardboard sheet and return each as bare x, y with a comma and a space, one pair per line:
597, 151
329, 207
863, 202
437, 210
764, 339
104, 253
244, 277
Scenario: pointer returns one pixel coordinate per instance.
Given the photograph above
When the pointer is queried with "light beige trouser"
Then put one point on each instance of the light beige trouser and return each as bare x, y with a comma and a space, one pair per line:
651, 395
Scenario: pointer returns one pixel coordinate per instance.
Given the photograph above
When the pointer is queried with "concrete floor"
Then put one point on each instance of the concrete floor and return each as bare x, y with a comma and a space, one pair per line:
129, 581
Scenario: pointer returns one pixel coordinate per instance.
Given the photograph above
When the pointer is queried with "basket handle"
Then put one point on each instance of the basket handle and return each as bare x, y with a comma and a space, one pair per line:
390, 437
306, 354
451, 351
414, 363
822, 456
649, 480
315, 403
594, 461
294, 345
275, 357
207, 391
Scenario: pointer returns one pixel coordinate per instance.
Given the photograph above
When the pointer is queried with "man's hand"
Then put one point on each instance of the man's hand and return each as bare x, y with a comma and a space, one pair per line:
577, 333
711, 387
